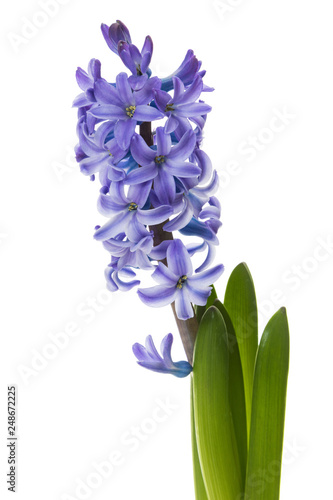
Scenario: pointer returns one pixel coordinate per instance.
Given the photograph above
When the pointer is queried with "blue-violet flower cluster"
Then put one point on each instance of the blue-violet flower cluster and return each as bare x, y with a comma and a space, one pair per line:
152, 183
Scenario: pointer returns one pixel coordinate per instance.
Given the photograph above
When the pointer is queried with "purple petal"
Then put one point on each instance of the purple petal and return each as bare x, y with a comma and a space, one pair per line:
141, 353
159, 252
135, 230
178, 89
147, 46
147, 113
181, 220
193, 92
141, 152
123, 132
205, 164
146, 94
141, 175
106, 93
138, 193
164, 186
105, 31
113, 227
164, 276
209, 258
162, 99
151, 349
198, 297
83, 79
101, 133
124, 89
182, 168
91, 165
94, 69
107, 205
125, 56
193, 109
184, 309
163, 142
206, 278
137, 81
170, 125
81, 100
124, 286
210, 211
178, 259
157, 296
184, 148
155, 216
109, 112
166, 345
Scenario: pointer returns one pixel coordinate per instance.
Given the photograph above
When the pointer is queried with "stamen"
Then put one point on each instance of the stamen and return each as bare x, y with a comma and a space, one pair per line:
181, 281
169, 107
159, 159
130, 111
132, 206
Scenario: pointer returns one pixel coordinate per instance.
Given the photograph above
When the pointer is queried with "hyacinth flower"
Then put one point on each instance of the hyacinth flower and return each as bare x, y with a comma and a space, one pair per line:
182, 104
148, 357
178, 283
119, 40
163, 164
125, 107
127, 211
86, 82
143, 135
99, 153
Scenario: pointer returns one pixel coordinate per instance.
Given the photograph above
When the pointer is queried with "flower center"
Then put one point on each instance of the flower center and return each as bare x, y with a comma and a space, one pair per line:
159, 159
132, 206
110, 154
130, 111
181, 281
169, 107
138, 70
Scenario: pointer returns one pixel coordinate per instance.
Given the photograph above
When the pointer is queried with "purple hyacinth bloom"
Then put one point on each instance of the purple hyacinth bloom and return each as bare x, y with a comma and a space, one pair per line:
114, 34
114, 281
137, 62
125, 107
177, 282
98, 154
149, 358
182, 104
126, 211
131, 253
187, 71
163, 163
119, 40
86, 83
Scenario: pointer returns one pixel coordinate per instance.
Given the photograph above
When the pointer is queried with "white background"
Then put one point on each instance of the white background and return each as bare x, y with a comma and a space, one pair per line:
81, 407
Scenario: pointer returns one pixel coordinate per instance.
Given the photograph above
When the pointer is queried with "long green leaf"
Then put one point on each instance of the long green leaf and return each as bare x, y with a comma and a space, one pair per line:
236, 389
199, 485
240, 302
215, 435
268, 411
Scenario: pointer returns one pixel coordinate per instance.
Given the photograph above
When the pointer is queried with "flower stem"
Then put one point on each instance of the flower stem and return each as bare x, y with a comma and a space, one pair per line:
187, 328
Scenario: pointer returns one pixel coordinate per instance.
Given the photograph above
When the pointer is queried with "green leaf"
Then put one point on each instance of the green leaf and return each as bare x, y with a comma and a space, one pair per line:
236, 389
240, 302
200, 310
268, 411
215, 435
199, 485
